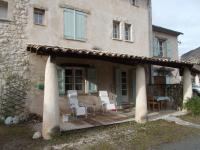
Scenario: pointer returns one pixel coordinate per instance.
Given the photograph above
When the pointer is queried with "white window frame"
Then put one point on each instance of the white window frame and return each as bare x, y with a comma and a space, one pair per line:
73, 76
124, 83
133, 2
4, 6
130, 32
164, 49
41, 13
119, 30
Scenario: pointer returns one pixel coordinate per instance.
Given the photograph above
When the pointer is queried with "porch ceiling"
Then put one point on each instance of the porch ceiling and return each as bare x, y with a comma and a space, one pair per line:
127, 59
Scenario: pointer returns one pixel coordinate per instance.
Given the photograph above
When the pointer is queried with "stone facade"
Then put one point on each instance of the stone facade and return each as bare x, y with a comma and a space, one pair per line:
19, 29
14, 58
13, 38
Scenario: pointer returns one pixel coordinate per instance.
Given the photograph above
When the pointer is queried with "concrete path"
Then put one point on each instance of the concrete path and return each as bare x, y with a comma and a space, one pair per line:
190, 143
174, 118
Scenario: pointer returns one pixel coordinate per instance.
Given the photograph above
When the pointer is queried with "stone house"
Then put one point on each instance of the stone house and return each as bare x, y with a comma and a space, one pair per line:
194, 57
165, 45
87, 46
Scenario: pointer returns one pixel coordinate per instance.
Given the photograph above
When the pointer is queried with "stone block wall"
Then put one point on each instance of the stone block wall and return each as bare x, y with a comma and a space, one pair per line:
14, 58
13, 54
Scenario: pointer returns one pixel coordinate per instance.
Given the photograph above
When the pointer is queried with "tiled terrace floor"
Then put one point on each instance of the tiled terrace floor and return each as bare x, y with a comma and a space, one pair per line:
109, 118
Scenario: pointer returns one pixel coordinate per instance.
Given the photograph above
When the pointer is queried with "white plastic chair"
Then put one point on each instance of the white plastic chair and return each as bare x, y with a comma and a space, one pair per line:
103, 95
78, 109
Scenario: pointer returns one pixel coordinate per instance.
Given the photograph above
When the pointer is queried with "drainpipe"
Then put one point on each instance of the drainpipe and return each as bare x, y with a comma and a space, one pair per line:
150, 38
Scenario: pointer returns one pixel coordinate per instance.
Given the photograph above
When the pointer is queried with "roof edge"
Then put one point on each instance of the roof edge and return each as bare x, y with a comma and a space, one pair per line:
166, 30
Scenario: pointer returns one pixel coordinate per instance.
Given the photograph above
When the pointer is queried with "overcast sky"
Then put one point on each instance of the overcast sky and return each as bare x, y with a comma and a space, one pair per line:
179, 15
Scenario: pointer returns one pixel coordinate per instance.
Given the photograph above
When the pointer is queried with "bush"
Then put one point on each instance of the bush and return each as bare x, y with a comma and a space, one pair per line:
193, 105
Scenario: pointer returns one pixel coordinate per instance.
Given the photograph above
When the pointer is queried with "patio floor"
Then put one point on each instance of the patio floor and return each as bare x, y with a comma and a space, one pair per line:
108, 118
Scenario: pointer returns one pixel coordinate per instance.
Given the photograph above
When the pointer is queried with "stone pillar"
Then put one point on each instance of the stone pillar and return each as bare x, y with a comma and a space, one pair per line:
141, 95
197, 80
187, 85
51, 115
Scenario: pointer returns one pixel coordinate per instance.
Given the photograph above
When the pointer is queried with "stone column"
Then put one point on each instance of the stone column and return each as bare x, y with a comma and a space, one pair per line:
51, 115
187, 85
141, 95
197, 80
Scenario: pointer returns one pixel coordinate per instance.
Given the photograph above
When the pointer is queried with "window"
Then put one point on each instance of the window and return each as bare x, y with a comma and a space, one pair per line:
124, 90
133, 2
92, 80
168, 79
162, 47
74, 79
127, 32
39, 16
74, 25
116, 29
3, 10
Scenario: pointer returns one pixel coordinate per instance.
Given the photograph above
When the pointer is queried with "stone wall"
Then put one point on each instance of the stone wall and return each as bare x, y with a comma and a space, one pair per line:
13, 55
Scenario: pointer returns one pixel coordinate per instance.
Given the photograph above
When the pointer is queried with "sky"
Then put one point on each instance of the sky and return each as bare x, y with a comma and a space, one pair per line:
182, 16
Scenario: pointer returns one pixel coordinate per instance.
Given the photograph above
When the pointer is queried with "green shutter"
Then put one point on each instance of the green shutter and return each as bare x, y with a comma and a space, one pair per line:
80, 26
165, 49
169, 49
156, 51
92, 80
61, 80
69, 23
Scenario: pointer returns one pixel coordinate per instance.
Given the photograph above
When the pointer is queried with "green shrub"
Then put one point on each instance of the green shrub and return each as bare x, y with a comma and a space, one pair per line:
193, 105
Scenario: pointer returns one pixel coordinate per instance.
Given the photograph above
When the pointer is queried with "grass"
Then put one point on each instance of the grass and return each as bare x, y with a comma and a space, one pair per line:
149, 135
123, 136
191, 118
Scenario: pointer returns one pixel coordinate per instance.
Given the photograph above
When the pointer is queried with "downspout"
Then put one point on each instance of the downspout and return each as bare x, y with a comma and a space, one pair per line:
150, 39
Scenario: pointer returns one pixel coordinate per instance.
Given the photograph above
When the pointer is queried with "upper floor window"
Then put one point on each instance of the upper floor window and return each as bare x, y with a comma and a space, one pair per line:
39, 15
162, 48
116, 29
133, 2
3, 10
74, 25
127, 32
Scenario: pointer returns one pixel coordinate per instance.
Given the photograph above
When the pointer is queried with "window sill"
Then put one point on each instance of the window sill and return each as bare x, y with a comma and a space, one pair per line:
117, 39
66, 38
163, 57
128, 41
135, 5
5, 20
42, 25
